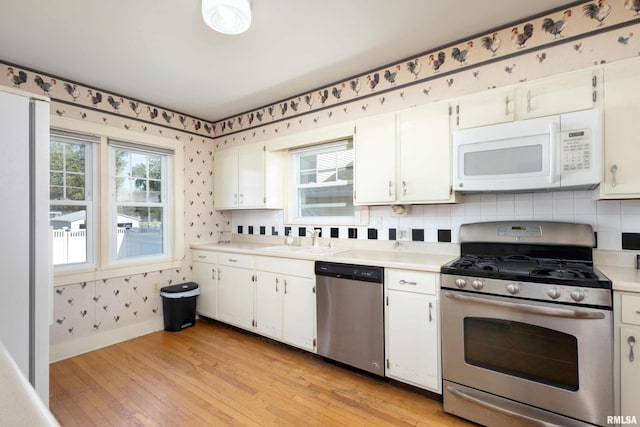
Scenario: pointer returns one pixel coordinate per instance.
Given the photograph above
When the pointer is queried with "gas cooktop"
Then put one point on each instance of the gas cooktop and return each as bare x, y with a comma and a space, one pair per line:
529, 269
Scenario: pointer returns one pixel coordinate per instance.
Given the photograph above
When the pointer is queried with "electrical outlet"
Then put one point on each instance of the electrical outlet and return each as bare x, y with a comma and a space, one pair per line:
155, 287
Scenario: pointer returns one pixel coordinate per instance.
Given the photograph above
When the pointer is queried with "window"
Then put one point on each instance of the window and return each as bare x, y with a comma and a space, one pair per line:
323, 182
72, 207
140, 201
116, 202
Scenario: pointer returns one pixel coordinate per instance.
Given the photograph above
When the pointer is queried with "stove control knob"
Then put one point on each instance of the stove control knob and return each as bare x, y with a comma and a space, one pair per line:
461, 283
554, 293
513, 288
477, 285
577, 295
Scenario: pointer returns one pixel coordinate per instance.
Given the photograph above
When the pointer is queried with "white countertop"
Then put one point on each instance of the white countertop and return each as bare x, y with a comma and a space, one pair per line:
617, 266
19, 402
623, 278
394, 258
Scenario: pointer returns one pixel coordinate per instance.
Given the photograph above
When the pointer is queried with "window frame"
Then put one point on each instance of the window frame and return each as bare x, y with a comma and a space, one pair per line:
91, 195
104, 267
360, 213
114, 204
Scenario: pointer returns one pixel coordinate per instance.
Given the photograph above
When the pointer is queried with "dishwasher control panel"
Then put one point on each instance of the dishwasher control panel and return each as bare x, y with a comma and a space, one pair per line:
350, 271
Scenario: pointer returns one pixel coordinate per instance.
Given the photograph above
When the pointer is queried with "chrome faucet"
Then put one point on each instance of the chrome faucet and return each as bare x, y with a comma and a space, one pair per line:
315, 234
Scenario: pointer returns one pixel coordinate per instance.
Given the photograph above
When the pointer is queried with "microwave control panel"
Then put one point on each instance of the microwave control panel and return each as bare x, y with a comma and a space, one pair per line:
576, 151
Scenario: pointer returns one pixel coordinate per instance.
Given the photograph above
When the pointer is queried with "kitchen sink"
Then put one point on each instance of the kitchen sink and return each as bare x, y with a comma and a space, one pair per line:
306, 250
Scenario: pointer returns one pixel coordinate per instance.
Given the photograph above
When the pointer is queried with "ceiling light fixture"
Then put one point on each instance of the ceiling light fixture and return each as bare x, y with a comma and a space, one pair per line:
227, 16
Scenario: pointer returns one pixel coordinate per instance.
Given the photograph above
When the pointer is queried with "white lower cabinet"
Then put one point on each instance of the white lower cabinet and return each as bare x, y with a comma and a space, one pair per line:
627, 319
205, 274
286, 303
235, 290
412, 320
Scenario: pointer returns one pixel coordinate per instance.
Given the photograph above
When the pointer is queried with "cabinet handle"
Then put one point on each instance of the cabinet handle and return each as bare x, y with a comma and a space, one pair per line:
285, 287
528, 101
202, 256
506, 105
276, 284
404, 188
430, 308
390, 187
213, 274
233, 260
404, 282
631, 341
219, 275
614, 169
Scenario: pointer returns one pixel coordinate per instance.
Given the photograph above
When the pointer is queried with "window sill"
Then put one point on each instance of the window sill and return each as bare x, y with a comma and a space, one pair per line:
86, 275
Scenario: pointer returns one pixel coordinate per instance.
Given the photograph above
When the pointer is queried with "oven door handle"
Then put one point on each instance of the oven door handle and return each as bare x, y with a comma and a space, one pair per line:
499, 409
531, 309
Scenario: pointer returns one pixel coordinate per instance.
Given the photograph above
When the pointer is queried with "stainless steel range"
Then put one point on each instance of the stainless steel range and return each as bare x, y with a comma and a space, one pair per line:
527, 328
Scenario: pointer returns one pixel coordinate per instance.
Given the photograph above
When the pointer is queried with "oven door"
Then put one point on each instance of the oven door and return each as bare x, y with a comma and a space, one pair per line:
555, 357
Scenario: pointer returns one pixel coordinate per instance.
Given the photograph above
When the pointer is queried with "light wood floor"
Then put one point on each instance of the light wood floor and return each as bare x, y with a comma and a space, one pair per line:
211, 375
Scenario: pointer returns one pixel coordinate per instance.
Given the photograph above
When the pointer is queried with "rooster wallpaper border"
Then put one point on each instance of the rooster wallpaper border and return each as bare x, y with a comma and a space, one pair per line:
558, 27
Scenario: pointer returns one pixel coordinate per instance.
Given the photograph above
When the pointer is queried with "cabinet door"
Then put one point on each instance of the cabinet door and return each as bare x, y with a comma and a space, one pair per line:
425, 154
560, 94
375, 160
251, 169
621, 129
235, 296
412, 343
299, 319
225, 179
204, 274
269, 294
629, 372
486, 108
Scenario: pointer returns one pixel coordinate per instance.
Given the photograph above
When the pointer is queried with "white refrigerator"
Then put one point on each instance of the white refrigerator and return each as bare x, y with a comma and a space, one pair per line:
25, 248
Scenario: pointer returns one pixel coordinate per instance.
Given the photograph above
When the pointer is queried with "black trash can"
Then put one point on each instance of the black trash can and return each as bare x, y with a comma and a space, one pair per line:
179, 305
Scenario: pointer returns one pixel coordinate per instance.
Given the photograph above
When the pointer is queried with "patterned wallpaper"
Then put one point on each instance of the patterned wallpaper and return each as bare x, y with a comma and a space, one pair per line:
584, 34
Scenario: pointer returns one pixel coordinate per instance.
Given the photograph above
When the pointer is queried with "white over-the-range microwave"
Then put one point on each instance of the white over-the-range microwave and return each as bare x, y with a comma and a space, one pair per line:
562, 151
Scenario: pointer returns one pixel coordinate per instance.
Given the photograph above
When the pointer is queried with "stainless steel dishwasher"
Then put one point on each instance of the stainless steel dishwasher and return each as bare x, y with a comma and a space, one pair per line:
350, 314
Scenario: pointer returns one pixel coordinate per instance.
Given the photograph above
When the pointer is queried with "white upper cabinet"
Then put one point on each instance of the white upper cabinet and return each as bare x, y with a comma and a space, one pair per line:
424, 169
404, 157
573, 91
247, 177
621, 130
375, 160
486, 108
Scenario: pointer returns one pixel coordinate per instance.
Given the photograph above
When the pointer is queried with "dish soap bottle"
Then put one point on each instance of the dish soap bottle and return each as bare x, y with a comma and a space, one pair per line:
289, 240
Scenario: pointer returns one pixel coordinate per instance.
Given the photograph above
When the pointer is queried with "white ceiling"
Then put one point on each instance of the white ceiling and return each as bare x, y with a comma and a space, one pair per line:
161, 52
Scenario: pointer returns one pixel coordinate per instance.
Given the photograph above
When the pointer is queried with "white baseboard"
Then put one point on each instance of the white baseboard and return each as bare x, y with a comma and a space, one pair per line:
72, 348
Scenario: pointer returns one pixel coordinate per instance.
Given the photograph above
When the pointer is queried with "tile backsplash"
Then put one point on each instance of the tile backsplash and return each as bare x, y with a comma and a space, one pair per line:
441, 223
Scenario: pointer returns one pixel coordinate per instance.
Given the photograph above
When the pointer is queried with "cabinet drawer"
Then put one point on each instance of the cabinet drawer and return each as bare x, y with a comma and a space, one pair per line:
204, 256
630, 308
291, 267
412, 281
235, 260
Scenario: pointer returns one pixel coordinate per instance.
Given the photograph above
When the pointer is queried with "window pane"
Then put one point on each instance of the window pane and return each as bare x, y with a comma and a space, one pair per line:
69, 225
308, 162
138, 165
139, 231
74, 161
140, 207
325, 180
70, 168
